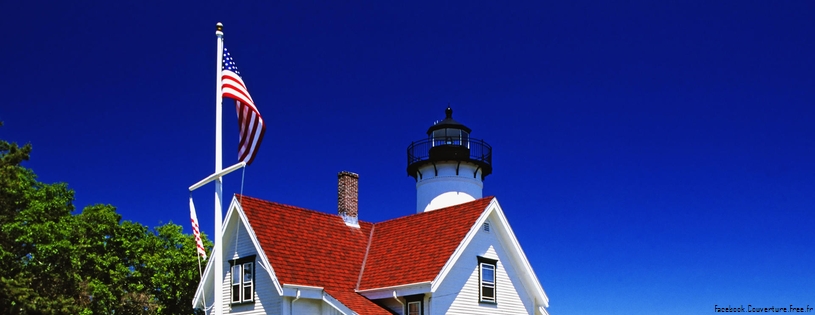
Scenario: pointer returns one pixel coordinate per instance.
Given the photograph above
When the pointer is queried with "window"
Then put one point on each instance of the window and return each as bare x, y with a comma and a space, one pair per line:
450, 136
243, 279
414, 308
486, 277
414, 304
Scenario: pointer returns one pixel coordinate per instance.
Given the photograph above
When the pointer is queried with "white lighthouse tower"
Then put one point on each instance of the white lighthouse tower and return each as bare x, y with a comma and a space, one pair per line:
449, 166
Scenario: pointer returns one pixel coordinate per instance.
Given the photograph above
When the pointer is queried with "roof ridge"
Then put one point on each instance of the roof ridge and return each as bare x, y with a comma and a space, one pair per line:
295, 207
410, 216
365, 258
361, 221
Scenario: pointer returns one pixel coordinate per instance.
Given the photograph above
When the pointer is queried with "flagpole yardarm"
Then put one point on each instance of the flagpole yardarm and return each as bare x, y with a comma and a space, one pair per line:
217, 252
217, 175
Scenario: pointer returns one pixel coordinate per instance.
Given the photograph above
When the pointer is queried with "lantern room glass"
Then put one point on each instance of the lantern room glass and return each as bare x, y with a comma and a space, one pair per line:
450, 136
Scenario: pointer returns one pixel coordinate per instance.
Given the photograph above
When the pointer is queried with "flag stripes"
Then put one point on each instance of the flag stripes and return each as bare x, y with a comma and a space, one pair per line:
196, 231
251, 125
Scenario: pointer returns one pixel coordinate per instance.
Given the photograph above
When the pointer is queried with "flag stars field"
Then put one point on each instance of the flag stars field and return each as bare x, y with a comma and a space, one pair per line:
250, 123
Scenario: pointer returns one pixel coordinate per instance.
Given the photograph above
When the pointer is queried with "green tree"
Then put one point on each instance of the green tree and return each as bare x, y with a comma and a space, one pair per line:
54, 262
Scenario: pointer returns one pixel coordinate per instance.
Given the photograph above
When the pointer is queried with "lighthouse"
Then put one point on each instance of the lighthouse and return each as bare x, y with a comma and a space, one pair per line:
449, 166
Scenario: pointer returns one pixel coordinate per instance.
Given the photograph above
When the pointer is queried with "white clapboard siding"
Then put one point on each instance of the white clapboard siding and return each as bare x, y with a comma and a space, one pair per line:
267, 301
330, 310
458, 293
307, 306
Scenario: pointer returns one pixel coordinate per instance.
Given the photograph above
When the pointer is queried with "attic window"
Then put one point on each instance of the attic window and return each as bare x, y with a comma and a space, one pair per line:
414, 304
486, 227
487, 279
414, 308
243, 279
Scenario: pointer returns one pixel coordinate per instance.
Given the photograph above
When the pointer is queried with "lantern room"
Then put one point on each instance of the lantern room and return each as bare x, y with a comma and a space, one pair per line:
449, 167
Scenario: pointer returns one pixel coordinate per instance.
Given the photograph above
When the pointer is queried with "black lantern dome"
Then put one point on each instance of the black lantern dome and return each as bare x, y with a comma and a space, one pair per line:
448, 123
449, 140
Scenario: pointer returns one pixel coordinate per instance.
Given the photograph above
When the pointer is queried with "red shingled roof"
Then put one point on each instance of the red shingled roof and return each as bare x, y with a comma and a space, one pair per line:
414, 248
307, 247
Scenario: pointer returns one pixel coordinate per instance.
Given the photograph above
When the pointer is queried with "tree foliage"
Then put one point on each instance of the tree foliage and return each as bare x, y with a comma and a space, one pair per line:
56, 262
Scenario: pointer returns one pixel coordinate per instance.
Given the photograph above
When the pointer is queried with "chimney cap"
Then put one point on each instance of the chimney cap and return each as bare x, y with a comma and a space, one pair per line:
347, 173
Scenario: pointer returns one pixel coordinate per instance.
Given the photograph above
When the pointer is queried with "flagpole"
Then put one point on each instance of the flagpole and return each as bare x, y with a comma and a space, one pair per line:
217, 250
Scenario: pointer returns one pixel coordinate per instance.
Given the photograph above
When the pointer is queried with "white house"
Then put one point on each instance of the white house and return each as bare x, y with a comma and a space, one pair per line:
456, 255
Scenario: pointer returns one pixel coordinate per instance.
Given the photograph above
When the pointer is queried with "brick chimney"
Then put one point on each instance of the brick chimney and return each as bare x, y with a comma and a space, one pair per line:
348, 197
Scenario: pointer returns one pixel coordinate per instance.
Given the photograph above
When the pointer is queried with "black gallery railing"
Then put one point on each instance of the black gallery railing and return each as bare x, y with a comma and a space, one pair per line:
479, 151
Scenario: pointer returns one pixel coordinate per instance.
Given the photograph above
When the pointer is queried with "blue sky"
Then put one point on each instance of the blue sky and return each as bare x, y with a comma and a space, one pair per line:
651, 156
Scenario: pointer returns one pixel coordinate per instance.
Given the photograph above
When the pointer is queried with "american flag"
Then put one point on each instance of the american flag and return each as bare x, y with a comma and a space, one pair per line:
196, 231
250, 123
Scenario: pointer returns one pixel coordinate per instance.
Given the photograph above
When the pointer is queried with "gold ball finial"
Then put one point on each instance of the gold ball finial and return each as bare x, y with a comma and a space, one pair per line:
219, 27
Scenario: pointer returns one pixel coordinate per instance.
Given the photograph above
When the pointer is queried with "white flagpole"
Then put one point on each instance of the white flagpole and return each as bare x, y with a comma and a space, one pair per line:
217, 250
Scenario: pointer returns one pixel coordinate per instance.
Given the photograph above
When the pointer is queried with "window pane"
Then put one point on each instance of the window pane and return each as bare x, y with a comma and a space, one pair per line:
247, 292
236, 274
247, 272
487, 293
487, 273
236, 293
438, 137
413, 308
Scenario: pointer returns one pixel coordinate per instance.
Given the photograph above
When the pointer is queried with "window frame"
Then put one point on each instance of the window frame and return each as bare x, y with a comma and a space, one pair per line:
416, 299
243, 283
482, 283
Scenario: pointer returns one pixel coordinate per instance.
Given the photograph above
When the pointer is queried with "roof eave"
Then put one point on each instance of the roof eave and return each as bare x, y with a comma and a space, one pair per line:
306, 291
401, 290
